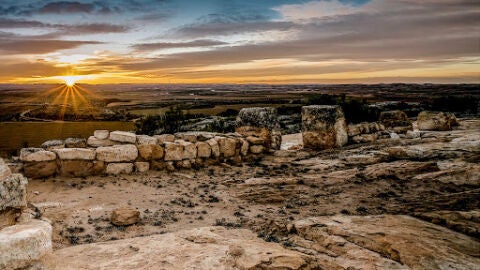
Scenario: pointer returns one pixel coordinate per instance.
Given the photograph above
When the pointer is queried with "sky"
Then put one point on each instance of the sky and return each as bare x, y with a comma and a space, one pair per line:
240, 41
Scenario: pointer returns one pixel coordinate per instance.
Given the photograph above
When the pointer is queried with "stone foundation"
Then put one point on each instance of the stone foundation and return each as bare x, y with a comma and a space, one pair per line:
261, 123
118, 152
323, 127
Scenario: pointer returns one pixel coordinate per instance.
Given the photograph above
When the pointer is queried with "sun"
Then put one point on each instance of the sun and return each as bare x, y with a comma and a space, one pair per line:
70, 80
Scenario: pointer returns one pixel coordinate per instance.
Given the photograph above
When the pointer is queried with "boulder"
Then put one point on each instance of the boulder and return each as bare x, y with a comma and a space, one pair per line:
75, 143
150, 151
96, 142
13, 198
203, 150
396, 120
142, 167
161, 139
323, 127
125, 216
364, 138
117, 153
255, 140
123, 137
427, 120
36, 155
119, 168
76, 168
25, 245
187, 136
173, 151
75, 154
53, 144
256, 149
4, 170
262, 123
101, 134
227, 146
41, 169
146, 140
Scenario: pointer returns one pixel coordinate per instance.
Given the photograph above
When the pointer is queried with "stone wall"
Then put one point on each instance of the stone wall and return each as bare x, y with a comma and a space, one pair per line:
119, 152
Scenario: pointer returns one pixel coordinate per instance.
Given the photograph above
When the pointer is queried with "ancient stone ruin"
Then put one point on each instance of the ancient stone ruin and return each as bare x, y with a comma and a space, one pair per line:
323, 127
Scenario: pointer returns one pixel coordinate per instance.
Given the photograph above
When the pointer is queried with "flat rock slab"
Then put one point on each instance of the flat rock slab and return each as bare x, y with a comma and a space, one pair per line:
25, 244
386, 242
123, 136
36, 155
117, 153
75, 154
201, 248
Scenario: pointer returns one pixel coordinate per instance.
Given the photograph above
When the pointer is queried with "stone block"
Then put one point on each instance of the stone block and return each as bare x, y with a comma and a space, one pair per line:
173, 151
142, 167
323, 127
117, 153
119, 168
76, 168
123, 137
101, 134
96, 142
203, 150
164, 138
75, 143
41, 169
53, 144
36, 155
75, 153
146, 140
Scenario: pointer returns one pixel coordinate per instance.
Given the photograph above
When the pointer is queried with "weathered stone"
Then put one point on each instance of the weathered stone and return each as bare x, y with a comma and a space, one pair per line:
227, 146
117, 153
258, 117
427, 120
75, 143
170, 167
125, 216
119, 168
187, 136
189, 149
173, 151
244, 148
36, 155
101, 134
40, 169
98, 167
123, 136
4, 170
150, 151
161, 139
158, 165
397, 118
13, 195
323, 127
364, 138
146, 140
203, 150
142, 167
255, 140
185, 164
76, 168
25, 244
199, 248
53, 144
256, 149
276, 139
215, 147
95, 142
75, 153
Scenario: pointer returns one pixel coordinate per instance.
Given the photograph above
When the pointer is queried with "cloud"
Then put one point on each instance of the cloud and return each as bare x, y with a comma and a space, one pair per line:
38, 46
63, 7
173, 45
316, 9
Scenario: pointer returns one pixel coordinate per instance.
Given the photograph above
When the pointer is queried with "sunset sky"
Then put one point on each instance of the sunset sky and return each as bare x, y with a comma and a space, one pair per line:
240, 41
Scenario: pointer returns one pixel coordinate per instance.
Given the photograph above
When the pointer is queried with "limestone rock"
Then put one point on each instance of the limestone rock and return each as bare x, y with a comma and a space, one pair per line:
244, 148
187, 136
41, 169
76, 168
4, 170
119, 168
397, 120
123, 137
13, 194
203, 150
427, 120
125, 216
323, 127
36, 155
161, 139
215, 147
201, 248
95, 142
189, 149
101, 134
256, 149
385, 242
53, 144
227, 146
142, 167
117, 153
173, 151
150, 151
75, 154
255, 140
75, 143
258, 117
25, 244
145, 139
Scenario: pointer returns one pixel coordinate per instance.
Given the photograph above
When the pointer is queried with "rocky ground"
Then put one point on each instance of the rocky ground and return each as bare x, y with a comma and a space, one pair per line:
394, 204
